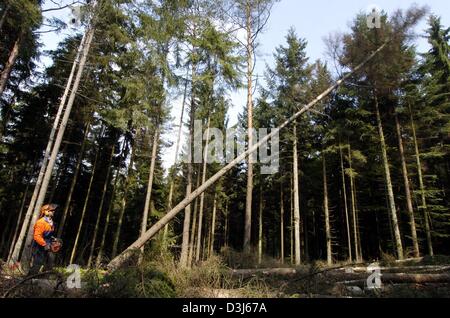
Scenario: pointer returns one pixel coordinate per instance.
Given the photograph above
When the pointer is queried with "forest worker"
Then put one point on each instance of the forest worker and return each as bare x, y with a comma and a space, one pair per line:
42, 238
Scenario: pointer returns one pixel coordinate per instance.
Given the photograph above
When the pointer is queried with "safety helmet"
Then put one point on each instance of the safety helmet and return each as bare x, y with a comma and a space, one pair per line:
46, 209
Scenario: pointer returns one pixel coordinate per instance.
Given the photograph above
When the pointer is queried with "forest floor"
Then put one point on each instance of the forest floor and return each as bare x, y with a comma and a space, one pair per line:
425, 277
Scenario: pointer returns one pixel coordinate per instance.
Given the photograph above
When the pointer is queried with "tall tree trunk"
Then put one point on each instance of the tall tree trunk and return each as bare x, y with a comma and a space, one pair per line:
123, 203
296, 200
19, 220
249, 195
409, 204
260, 229
421, 185
83, 212
190, 171
202, 196
282, 224
74, 181
177, 148
326, 211
56, 146
9, 65
344, 194
100, 208
354, 208
4, 14
148, 196
227, 220
292, 222
392, 208
108, 217
31, 214
194, 227
213, 226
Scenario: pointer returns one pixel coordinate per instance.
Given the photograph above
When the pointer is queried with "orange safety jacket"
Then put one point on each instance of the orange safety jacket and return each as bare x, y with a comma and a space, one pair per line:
42, 231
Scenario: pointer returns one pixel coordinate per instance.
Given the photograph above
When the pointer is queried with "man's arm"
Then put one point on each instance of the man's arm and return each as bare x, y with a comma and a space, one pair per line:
38, 236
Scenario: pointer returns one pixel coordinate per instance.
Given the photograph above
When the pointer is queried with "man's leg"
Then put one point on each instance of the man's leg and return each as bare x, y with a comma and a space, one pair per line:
38, 260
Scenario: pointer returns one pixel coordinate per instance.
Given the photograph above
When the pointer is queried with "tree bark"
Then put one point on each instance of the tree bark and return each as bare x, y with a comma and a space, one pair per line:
100, 208
83, 212
344, 194
56, 146
387, 172
249, 195
120, 259
421, 185
74, 181
326, 212
213, 226
260, 227
282, 225
356, 240
148, 196
194, 227
296, 200
202, 196
409, 204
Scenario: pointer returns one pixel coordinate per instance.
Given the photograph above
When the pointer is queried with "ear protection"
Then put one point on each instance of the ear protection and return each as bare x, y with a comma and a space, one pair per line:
46, 209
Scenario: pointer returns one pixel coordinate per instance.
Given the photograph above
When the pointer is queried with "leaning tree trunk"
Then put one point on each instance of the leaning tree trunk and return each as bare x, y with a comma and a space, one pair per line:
249, 195
344, 193
31, 207
100, 208
202, 196
56, 146
326, 212
9, 65
421, 185
125, 255
387, 172
74, 181
296, 200
409, 204
83, 212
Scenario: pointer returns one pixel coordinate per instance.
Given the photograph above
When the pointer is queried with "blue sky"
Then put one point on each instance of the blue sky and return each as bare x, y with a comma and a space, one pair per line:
312, 20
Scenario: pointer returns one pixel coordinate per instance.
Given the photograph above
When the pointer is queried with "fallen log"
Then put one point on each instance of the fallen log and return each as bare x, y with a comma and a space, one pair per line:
264, 272
404, 269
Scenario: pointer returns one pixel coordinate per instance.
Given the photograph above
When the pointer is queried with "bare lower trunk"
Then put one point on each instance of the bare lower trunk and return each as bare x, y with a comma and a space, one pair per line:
296, 201
249, 195
292, 222
392, 208
194, 228
83, 212
260, 229
120, 259
422, 187
100, 208
74, 182
409, 205
356, 240
56, 146
108, 217
202, 196
148, 196
344, 194
213, 226
123, 203
326, 212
